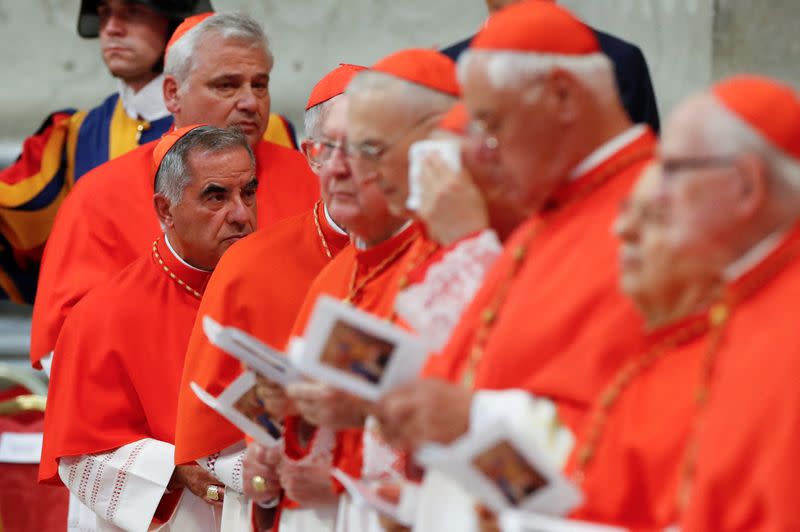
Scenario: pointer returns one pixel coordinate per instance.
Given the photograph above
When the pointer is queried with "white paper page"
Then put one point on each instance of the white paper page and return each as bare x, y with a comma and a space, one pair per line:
20, 447
255, 354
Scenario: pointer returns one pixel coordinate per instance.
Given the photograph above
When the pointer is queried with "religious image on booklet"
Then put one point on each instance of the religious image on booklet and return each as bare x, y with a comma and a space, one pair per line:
240, 405
504, 471
509, 472
356, 351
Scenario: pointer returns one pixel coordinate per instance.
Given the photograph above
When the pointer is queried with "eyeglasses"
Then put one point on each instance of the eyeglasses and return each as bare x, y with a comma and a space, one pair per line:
320, 151
671, 166
374, 152
479, 129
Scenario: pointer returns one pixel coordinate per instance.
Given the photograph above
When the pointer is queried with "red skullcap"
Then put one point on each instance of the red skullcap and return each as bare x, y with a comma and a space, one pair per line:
428, 68
333, 84
185, 26
167, 142
536, 26
767, 106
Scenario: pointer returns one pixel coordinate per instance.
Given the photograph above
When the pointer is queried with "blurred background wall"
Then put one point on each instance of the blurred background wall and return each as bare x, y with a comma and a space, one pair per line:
688, 43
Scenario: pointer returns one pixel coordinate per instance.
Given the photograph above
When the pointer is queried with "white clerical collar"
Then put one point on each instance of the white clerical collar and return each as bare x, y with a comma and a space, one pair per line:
361, 245
333, 225
147, 103
753, 256
607, 150
180, 259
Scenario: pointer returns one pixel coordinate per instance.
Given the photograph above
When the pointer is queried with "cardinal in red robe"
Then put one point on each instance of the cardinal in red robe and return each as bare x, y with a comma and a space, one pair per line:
741, 470
107, 221
110, 421
260, 284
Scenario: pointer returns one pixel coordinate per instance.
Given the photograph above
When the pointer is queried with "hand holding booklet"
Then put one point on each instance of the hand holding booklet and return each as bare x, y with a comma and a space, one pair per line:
343, 347
240, 405
353, 350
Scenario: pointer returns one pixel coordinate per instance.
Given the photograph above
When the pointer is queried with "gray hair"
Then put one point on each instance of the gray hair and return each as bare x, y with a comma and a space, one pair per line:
729, 134
315, 117
517, 70
417, 98
173, 176
180, 58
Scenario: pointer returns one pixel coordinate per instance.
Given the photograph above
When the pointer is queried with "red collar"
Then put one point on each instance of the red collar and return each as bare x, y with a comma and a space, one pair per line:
192, 280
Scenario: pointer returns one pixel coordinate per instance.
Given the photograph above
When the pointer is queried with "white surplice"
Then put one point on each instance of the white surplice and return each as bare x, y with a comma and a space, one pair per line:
121, 489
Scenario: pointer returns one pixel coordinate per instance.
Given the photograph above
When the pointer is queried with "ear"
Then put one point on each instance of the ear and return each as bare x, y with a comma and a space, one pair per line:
562, 88
163, 210
752, 192
171, 97
304, 147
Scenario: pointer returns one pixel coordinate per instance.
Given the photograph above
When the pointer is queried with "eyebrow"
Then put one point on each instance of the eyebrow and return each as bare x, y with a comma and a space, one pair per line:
213, 188
252, 184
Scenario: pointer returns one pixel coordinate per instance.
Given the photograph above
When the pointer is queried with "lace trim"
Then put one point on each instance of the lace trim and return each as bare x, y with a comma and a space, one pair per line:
122, 479
434, 306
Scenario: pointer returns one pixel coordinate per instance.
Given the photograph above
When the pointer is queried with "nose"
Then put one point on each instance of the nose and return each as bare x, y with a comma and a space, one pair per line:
240, 213
248, 101
337, 164
624, 227
113, 24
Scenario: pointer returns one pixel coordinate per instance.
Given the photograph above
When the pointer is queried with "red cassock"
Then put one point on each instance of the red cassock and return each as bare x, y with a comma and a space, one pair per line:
258, 286
370, 280
108, 221
549, 317
747, 466
117, 372
628, 458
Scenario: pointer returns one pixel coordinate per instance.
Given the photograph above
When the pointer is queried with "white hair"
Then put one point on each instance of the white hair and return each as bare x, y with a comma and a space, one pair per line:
729, 135
516, 70
416, 98
173, 175
315, 117
180, 58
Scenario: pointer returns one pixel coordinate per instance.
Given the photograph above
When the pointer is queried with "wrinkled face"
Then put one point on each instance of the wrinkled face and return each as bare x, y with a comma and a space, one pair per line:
701, 186
380, 130
227, 87
505, 209
217, 208
519, 128
645, 256
132, 38
327, 158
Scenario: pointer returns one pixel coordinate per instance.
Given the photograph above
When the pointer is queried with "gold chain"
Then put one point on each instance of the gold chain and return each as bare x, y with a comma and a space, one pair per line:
423, 256
355, 291
629, 372
319, 231
172, 276
737, 293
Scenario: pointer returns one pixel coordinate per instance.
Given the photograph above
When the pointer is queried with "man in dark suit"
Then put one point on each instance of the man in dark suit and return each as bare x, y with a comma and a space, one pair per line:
630, 68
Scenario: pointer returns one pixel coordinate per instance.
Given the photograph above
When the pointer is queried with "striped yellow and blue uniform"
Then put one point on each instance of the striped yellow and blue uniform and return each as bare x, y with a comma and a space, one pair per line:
69, 144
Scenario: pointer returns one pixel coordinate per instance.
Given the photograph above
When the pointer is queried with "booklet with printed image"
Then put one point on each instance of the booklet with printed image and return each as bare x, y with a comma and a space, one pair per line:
504, 470
240, 405
356, 351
